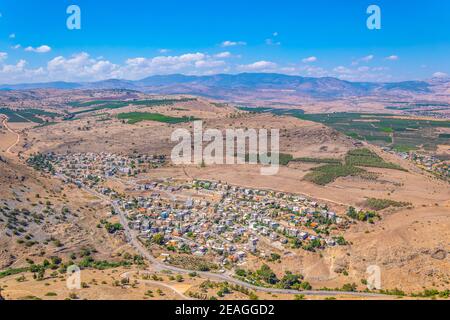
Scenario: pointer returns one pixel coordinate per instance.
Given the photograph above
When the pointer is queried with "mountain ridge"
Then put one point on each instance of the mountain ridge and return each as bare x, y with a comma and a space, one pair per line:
218, 84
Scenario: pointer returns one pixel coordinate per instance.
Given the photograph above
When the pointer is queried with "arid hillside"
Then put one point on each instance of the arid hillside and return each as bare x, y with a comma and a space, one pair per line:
41, 217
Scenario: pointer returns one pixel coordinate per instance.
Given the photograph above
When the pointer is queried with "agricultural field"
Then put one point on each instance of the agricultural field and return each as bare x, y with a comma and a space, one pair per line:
349, 167
135, 117
326, 174
386, 129
97, 105
27, 115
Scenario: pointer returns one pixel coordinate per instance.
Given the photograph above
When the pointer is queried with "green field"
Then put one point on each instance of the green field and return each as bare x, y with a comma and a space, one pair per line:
379, 129
27, 115
384, 130
284, 158
109, 105
354, 160
135, 117
381, 204
318, 160
117, 104
367, 158
326, 174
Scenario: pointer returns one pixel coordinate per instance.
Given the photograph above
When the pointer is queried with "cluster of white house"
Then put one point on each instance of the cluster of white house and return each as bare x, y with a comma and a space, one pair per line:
205, 217
90, 168
230, 227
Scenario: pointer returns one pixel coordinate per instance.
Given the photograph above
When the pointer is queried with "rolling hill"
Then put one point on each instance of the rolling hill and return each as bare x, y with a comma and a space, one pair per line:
228, 85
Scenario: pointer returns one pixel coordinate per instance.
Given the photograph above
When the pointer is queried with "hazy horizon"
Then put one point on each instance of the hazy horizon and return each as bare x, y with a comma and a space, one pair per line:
142, 39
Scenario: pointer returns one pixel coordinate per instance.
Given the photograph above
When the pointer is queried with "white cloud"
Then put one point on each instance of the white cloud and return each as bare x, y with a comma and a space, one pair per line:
271, 42
223, 55
440, 75
362, 73
17, 46
368, 58
365, 59
312, 71
209, 64
258, 66
309, 59
41, 49
14, 73
81, 67
342, 70
164, 51
12, 36
190, 63
233, 43
392, 58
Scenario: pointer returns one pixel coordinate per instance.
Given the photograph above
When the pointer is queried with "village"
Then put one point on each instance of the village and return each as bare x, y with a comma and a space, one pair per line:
430, 163
221, 223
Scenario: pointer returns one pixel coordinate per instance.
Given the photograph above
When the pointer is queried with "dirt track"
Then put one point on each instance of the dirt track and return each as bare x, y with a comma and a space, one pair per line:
5, 124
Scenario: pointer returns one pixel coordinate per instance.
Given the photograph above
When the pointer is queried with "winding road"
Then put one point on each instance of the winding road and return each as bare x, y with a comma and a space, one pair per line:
157, 265
5, 124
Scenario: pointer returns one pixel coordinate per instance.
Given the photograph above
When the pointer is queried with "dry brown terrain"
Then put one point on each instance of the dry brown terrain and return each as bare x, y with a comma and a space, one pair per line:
410, 245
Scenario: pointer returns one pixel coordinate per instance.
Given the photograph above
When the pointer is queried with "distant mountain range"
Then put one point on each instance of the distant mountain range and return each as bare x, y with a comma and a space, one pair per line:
227, 85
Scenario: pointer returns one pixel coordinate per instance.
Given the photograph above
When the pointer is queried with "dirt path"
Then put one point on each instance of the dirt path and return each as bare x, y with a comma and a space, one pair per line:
161, 284
5, 124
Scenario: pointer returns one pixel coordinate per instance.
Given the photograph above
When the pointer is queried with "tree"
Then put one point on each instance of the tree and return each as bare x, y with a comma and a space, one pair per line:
241, 272
352, 213
289, 280
158, 239
267, 274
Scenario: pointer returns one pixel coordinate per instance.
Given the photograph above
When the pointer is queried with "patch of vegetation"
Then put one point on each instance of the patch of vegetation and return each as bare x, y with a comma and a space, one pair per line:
284, 158
111, 106
372, 138
27, 115
111, 227
11, 272
30, 298
318, 160
404, 148
354, 159
193, 263
326, 174
364, 216
51, 294
90, 262
265, 277
40, 163
117, 104
387, 130
366, 158
432, 293
276, 111
362, 126
135, 117
381, 204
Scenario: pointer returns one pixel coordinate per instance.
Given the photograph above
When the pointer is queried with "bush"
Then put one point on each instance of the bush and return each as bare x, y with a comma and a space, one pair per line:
381, 204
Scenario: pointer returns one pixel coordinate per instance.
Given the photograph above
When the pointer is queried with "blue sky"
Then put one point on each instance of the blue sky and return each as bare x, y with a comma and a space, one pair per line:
136, 38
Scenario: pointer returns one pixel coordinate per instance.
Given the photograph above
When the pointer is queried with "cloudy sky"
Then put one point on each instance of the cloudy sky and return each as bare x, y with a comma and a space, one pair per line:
136, 38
